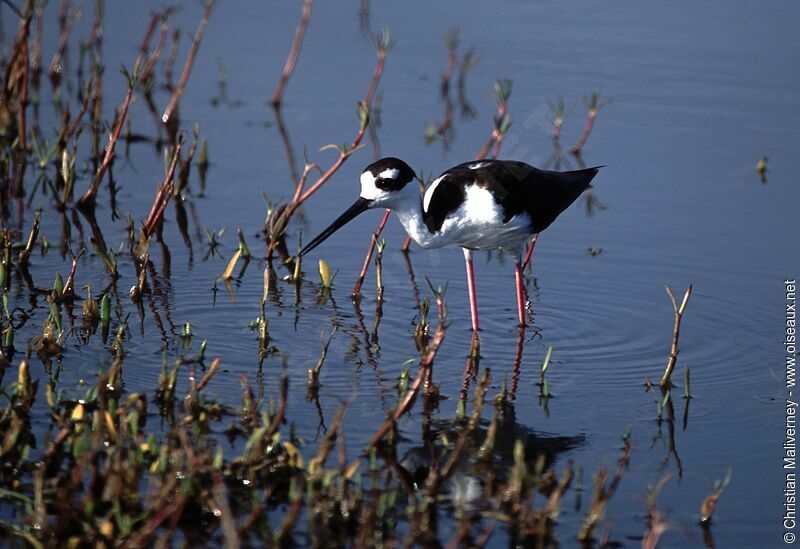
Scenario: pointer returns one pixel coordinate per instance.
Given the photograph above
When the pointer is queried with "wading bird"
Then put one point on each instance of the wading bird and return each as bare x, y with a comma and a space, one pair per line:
480, 205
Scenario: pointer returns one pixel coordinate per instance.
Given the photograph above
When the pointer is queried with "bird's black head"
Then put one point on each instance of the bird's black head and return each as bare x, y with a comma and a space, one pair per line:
384, 177
384, 184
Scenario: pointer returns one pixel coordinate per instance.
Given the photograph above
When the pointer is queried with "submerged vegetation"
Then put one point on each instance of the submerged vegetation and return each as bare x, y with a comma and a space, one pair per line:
127, 464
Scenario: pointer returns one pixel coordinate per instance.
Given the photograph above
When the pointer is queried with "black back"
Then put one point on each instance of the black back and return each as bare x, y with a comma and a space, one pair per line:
518, 187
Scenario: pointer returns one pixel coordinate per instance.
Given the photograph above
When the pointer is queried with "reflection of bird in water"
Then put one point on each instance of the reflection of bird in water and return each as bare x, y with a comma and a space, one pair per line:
482, 205
465, 486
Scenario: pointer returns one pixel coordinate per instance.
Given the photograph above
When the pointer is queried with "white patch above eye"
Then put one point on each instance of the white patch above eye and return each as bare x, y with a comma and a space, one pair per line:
368, 188
426, 200
478, 165
391, 173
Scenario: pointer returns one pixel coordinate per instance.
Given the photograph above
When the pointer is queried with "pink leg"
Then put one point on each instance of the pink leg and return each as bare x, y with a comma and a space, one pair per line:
473, 300
520, 293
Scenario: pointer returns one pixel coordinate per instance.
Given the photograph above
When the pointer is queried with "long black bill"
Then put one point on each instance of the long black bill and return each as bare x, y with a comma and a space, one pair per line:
359, 206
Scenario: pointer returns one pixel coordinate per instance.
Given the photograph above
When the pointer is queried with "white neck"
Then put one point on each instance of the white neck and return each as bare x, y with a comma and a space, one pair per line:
408, 209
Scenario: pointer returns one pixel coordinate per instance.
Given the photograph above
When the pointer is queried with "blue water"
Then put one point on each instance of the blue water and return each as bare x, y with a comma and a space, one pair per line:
698, 94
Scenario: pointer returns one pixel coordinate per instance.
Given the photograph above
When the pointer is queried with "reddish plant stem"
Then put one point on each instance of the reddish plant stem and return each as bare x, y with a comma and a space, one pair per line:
90, 194
294, 53
65, 18
165, 191
169, 65
587, 130
555, 134
373, 86
298, 190
496, 136
76, 122
452, 59
23, 99
487, 147
370, 251
277, 419
17, 72
485, 150
187, 68
227, 518
497, 143
97, 105
302, 195
186, 165
36, 51
170, 510
96, 32
151, 28
69, 285
287, 72
11, 65
146, 62
376, 77
343, 156
444, 125
149, 66
425, 366
287, 142
676, 330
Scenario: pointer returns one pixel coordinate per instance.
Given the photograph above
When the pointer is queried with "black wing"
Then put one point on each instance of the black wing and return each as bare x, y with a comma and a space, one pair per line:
516, 186
543, 194
448, 195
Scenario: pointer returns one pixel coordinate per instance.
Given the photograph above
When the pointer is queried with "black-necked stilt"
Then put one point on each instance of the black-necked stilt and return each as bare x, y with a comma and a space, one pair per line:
480, 205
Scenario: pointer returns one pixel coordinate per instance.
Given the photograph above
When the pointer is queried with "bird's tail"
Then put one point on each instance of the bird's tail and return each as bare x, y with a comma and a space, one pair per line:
555, 191
581, 180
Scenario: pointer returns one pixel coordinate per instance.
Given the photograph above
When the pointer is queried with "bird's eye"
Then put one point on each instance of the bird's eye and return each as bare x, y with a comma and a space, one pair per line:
382, 182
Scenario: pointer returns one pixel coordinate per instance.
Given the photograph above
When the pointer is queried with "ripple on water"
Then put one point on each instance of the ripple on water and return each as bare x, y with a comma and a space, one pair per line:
607, 318
618, 329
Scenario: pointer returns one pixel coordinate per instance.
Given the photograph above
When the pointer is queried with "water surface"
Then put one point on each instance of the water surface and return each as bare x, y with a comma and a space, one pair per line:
699, 94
